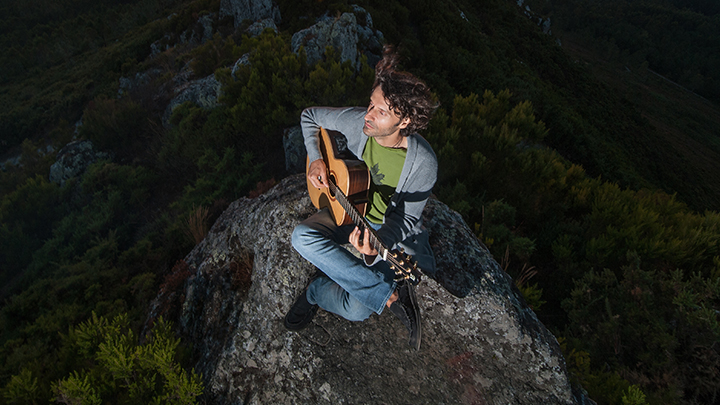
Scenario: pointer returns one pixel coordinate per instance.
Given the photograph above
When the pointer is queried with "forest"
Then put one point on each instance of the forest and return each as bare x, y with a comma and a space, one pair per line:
569, 154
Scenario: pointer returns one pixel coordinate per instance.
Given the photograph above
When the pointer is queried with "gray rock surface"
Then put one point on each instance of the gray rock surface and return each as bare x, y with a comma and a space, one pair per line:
73, 159
294, 147
259, 26
481, 344
345, 34
128, 84
253, 10
203, 92
243, 61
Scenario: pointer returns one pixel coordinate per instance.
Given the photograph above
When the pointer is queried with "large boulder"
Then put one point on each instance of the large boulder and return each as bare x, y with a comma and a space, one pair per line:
481, 343
351, 34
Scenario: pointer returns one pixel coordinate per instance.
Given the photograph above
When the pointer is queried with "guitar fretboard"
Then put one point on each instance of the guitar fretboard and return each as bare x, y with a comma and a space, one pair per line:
358, 219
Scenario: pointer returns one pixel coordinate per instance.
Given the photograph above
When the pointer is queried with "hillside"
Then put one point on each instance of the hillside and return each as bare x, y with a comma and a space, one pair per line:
684, 126
593, 183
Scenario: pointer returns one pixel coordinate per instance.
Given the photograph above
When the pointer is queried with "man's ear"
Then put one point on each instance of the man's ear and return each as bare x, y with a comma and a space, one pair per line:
404, 123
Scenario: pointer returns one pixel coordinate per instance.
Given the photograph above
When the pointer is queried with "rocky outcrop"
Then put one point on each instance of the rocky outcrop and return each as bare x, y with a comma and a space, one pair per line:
258, 27
128, 84
294, 147
202, 92
243, 61
481, 343
345, 34
253, 10
73, 159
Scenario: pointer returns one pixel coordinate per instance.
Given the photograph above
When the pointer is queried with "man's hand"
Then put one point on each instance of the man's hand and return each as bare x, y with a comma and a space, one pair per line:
317, 174
362, 245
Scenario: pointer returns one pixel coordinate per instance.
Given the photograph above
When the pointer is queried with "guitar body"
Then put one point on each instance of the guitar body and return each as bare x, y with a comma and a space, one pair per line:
349, 174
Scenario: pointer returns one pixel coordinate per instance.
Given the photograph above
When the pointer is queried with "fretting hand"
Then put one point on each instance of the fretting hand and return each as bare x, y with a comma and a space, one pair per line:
362, 244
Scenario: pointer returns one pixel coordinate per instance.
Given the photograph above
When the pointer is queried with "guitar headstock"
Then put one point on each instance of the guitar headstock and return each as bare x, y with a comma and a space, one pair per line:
404, 266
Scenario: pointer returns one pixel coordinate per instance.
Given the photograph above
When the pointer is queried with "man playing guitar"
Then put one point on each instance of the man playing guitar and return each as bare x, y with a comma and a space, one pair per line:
403, 169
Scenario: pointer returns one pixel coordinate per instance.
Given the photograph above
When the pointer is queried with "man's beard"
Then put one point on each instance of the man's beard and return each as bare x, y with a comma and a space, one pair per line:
375, 132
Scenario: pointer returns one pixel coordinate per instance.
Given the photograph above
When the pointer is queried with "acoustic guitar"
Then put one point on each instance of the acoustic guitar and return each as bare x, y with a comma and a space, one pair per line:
346, 197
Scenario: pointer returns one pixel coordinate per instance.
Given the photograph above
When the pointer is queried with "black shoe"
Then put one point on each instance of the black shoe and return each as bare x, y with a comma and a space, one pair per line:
406, 308
301, 313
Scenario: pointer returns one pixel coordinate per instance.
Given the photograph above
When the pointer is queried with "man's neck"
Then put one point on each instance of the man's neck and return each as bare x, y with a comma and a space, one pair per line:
392, 141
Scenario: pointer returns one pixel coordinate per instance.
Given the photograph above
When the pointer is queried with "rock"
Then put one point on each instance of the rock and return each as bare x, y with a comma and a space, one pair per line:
481, 343
11, 162
253, 10
259, 26
340, 33
199, 32
128, 84
73, 160
203, 92
206, 21
243, 61
294, 146
345, 34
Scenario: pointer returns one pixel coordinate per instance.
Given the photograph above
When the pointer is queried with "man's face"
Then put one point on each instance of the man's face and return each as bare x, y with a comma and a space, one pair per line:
380, 121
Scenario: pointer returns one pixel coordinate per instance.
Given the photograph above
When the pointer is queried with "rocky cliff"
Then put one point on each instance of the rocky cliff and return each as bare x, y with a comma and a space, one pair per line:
481, 345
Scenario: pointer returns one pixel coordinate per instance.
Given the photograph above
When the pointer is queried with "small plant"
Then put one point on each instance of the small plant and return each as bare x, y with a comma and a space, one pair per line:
22, 389
179, 273
634, 396
197, 224
531, 293
262, 188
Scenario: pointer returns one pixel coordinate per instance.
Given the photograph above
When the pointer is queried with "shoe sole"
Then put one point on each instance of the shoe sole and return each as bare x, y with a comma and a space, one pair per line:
415, 340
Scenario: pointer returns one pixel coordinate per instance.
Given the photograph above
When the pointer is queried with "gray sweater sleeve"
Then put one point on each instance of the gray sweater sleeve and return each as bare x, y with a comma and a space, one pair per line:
348, 121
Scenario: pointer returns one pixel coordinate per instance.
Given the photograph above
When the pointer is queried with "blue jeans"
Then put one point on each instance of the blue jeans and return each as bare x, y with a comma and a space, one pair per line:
350, 288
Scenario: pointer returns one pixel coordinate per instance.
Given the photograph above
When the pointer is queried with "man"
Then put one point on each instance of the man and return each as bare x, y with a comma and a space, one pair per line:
403, 169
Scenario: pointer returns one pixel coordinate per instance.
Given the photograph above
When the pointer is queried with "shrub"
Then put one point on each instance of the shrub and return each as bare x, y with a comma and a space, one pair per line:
121, 370
114, 125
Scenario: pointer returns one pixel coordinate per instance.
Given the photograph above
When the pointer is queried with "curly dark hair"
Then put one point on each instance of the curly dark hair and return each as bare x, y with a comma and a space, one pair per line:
406, 95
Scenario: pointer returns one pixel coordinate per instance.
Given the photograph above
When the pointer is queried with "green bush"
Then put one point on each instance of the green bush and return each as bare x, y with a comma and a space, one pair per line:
27, 216
114, 125
119, 370
657, 326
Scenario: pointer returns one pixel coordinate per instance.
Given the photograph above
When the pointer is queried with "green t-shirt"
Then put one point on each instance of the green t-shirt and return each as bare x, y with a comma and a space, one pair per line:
385, 166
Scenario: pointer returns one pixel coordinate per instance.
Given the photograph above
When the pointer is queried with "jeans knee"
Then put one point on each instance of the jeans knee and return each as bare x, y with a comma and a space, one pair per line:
355, 311
300, 236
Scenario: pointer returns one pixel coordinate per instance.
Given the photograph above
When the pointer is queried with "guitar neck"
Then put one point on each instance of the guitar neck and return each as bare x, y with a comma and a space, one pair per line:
358, 219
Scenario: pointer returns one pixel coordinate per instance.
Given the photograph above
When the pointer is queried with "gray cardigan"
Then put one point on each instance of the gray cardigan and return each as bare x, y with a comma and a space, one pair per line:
403, 217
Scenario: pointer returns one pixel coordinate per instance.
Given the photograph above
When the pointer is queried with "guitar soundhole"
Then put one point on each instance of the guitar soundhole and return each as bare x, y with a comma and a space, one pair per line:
334, 180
